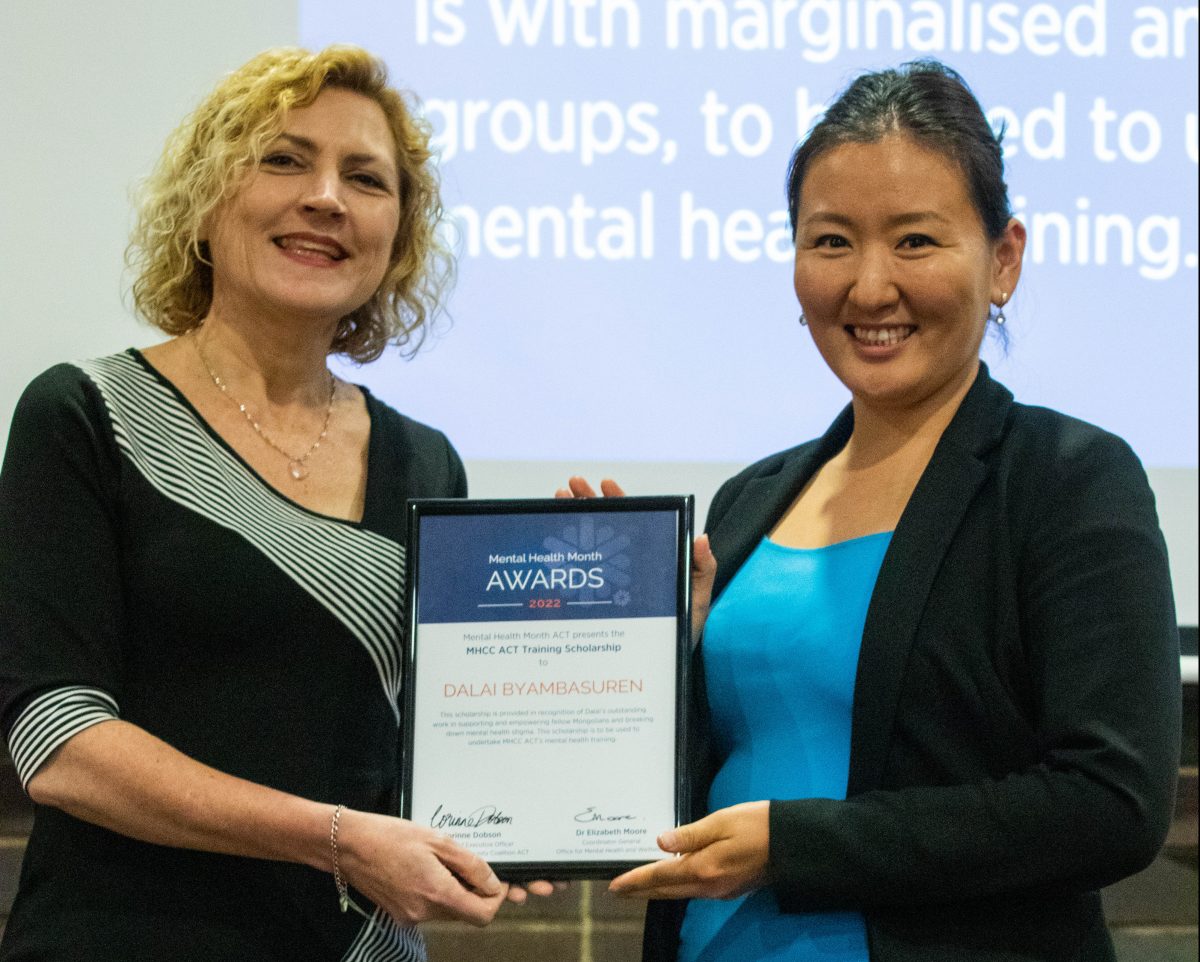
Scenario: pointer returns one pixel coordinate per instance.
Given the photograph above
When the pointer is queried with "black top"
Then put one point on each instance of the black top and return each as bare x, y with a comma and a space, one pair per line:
148, 573
1015, 731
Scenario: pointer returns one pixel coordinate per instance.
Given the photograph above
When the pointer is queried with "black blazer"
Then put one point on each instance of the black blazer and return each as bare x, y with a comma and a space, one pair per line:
1015, 730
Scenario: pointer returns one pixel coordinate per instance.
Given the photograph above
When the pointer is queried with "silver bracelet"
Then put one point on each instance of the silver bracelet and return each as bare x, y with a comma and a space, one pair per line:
343, 891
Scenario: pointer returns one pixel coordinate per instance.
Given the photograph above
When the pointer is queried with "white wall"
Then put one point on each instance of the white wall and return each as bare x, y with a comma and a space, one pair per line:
91, 91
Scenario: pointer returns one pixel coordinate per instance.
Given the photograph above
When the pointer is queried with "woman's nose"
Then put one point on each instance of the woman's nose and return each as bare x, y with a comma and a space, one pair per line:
874, 285
323, 193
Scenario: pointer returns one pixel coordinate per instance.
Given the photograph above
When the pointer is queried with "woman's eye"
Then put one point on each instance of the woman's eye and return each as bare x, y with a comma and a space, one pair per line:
282, 161
831, 240
369, 180
916, 241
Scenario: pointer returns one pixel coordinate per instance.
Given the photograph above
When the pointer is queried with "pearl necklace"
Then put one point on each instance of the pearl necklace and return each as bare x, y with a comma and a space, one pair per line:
296, 465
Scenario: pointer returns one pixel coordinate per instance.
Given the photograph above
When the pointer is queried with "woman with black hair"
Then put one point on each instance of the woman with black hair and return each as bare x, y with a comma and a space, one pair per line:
942, 640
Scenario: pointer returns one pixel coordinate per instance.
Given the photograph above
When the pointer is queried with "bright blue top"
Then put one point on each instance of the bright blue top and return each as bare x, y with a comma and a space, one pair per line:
780, 658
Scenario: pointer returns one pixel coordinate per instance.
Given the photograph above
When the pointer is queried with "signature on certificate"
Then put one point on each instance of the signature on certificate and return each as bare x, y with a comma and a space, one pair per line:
484, 815
590, 814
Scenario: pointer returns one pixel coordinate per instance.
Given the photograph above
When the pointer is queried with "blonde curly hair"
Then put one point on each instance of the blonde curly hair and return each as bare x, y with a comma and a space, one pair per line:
207, 157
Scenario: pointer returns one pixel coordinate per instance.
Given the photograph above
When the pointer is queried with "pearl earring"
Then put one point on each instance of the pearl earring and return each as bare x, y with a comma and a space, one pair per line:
1000, 318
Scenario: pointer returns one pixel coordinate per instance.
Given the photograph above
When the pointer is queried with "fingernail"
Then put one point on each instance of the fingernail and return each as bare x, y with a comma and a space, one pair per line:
667, 841
493, 882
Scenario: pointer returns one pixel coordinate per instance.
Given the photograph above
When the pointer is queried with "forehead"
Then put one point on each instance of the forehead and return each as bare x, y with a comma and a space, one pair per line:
893, 174
344, 121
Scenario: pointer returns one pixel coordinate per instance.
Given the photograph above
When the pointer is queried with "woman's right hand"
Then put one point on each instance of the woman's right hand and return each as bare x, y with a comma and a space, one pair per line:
122, 778
415, 873
704, 562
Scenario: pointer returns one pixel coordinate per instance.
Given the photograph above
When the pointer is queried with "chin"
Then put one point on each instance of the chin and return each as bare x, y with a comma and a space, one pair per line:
884, 388
320, 308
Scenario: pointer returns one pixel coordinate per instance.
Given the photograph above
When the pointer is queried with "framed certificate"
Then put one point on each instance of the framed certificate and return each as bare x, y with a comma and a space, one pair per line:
545, 679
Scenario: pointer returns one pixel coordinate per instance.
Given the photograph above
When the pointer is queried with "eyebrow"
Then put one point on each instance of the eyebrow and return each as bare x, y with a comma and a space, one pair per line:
900, 220
305, 144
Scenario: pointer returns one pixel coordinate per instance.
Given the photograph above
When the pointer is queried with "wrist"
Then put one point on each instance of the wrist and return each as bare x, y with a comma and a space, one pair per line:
335, 860
309, 842
339, 855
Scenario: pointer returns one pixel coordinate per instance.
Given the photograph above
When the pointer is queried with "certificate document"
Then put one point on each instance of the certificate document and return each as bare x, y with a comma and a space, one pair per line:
545, 678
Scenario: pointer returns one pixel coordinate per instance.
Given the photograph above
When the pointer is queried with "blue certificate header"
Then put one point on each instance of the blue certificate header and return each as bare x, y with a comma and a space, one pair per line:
517, 567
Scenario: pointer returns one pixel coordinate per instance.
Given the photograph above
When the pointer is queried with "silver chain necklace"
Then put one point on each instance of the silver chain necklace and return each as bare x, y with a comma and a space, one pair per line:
296, 465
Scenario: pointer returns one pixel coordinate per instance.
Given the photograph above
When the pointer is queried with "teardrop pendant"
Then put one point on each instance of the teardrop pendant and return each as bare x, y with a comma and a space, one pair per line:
297, 470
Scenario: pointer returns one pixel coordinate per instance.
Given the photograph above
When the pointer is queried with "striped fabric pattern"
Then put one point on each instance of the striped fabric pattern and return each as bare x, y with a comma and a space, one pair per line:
181, 460
174, 452
50, 719
383, 939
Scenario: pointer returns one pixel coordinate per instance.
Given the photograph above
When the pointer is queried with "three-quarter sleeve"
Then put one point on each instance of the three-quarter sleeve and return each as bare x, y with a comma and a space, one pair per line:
61, 611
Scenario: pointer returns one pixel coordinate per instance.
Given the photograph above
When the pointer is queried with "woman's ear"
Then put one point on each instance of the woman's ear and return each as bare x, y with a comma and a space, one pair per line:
1008, 254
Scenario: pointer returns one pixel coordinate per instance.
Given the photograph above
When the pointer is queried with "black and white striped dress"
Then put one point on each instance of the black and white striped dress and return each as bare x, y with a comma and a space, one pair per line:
147, 573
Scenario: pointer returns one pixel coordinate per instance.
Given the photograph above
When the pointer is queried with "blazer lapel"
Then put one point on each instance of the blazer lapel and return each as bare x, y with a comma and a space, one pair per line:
764, 499
955, 473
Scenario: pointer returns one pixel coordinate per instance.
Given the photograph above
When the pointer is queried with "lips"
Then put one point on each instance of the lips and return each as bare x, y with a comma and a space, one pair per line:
312, 245
880, 336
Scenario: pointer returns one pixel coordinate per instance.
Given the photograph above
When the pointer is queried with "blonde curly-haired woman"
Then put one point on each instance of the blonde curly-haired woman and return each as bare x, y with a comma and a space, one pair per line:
201, 547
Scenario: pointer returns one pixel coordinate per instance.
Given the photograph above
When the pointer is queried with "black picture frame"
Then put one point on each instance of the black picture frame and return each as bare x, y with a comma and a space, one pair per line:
683, 508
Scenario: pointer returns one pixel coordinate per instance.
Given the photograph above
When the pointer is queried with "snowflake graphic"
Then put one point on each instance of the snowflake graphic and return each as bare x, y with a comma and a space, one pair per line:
621, 597
586, 536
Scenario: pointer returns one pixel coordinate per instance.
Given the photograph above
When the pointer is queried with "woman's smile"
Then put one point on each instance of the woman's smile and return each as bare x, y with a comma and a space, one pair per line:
873, 339
313, 249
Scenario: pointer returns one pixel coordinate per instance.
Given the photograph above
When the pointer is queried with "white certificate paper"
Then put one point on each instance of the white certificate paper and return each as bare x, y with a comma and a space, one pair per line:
544, 679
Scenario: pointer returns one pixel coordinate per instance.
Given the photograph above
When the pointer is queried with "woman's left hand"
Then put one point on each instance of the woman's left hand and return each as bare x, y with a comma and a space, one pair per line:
722, 856
518, 894
704, 563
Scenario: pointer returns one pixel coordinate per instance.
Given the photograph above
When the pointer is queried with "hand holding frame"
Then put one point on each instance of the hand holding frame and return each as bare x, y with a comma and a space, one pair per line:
721, 856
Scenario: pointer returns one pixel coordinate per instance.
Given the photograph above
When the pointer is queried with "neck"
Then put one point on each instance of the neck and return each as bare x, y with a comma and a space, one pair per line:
274, 361
883, 432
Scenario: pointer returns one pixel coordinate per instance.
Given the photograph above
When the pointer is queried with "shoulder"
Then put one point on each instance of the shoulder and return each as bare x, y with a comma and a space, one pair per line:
1054, 471
771, 464
59, 387
420, 453
783, 470
61, 439
402, 432
1055, 447
992, 425
767, 467
65, 394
